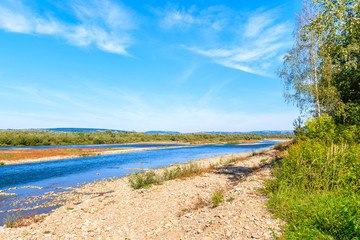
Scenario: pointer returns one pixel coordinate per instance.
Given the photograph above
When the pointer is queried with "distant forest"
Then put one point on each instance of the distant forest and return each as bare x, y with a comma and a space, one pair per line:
37, 138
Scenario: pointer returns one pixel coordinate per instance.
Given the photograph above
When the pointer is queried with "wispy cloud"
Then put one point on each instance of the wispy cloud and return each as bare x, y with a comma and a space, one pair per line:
257, 22
101, 23
174, 16
251, 44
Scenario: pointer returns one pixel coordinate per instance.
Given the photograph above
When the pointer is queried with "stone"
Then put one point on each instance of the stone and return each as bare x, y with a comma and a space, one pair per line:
254, 235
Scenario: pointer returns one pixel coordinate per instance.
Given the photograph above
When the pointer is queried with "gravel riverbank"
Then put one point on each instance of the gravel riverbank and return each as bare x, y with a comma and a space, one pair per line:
176, 209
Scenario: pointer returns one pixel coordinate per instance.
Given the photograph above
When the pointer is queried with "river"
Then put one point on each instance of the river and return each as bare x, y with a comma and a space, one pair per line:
51, 175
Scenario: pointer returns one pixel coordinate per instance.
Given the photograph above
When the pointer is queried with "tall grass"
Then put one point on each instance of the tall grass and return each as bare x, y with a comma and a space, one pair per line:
317, 190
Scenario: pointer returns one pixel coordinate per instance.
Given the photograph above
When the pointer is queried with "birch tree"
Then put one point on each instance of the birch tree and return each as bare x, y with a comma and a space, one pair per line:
300, 71
338, 29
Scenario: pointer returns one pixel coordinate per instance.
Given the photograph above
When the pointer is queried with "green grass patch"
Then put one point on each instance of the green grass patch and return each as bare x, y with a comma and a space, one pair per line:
217, 197
316, 189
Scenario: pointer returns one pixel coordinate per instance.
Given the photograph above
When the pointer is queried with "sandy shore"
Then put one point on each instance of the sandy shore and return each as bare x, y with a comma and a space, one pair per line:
176, 209
107, 152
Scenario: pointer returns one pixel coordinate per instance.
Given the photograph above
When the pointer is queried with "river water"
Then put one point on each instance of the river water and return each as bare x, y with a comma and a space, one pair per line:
70, 172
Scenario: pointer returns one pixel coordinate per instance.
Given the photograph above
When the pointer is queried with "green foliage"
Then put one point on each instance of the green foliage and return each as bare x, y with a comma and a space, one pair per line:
325, 128
322, 127
317, 185
36, 138
217, 197
317, 190
2, 163
337, 25
321, 72
143, 180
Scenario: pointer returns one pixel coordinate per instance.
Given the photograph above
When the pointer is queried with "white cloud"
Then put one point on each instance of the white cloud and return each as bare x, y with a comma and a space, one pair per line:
212, 18
177, 17
257, 22
258, 47
14, 22
101, 23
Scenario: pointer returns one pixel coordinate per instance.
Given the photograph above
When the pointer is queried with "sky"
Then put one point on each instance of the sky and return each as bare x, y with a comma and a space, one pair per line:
187, 66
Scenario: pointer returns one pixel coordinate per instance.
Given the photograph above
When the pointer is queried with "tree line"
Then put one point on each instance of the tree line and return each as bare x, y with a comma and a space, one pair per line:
36, 138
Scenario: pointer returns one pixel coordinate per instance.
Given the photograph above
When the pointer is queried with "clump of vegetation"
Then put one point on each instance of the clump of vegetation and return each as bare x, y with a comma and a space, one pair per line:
2, 163
217, 197
144, 179
16, 220
10, 219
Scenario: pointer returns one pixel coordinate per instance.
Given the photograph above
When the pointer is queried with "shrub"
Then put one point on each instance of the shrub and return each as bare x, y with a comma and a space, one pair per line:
322, 127
143, 179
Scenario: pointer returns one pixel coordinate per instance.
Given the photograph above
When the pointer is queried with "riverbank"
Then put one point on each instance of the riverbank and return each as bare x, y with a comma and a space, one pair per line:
176, 209
22, 156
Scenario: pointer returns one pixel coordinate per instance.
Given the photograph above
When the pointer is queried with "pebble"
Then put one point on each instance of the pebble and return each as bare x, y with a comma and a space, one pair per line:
254, 235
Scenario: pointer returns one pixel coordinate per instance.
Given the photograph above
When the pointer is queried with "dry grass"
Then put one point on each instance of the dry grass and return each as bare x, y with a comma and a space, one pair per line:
199, 203
12, 155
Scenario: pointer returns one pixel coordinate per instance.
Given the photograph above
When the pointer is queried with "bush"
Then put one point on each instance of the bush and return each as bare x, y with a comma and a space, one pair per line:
324, 128
143, 179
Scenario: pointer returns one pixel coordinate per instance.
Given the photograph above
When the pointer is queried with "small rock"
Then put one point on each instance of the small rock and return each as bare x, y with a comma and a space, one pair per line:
254, 235
188, 215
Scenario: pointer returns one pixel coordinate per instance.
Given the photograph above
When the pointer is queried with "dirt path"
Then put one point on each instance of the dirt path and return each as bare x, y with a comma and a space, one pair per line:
177, 209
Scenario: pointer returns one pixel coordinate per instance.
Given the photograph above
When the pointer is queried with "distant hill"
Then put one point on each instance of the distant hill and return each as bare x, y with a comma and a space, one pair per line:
162, 132
266, 132
77, 129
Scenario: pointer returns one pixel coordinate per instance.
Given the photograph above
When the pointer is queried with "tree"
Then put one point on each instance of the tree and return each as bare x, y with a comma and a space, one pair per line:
300, 71
322, 71
338, 27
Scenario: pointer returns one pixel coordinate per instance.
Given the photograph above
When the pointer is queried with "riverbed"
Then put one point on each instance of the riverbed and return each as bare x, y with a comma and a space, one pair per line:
56, 176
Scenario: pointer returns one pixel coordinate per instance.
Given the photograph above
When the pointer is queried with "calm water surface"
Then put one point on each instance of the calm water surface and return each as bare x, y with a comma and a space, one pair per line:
70, 172
132, 145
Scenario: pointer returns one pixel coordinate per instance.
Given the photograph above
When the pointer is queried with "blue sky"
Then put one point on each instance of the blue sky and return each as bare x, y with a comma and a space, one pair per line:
145, 65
